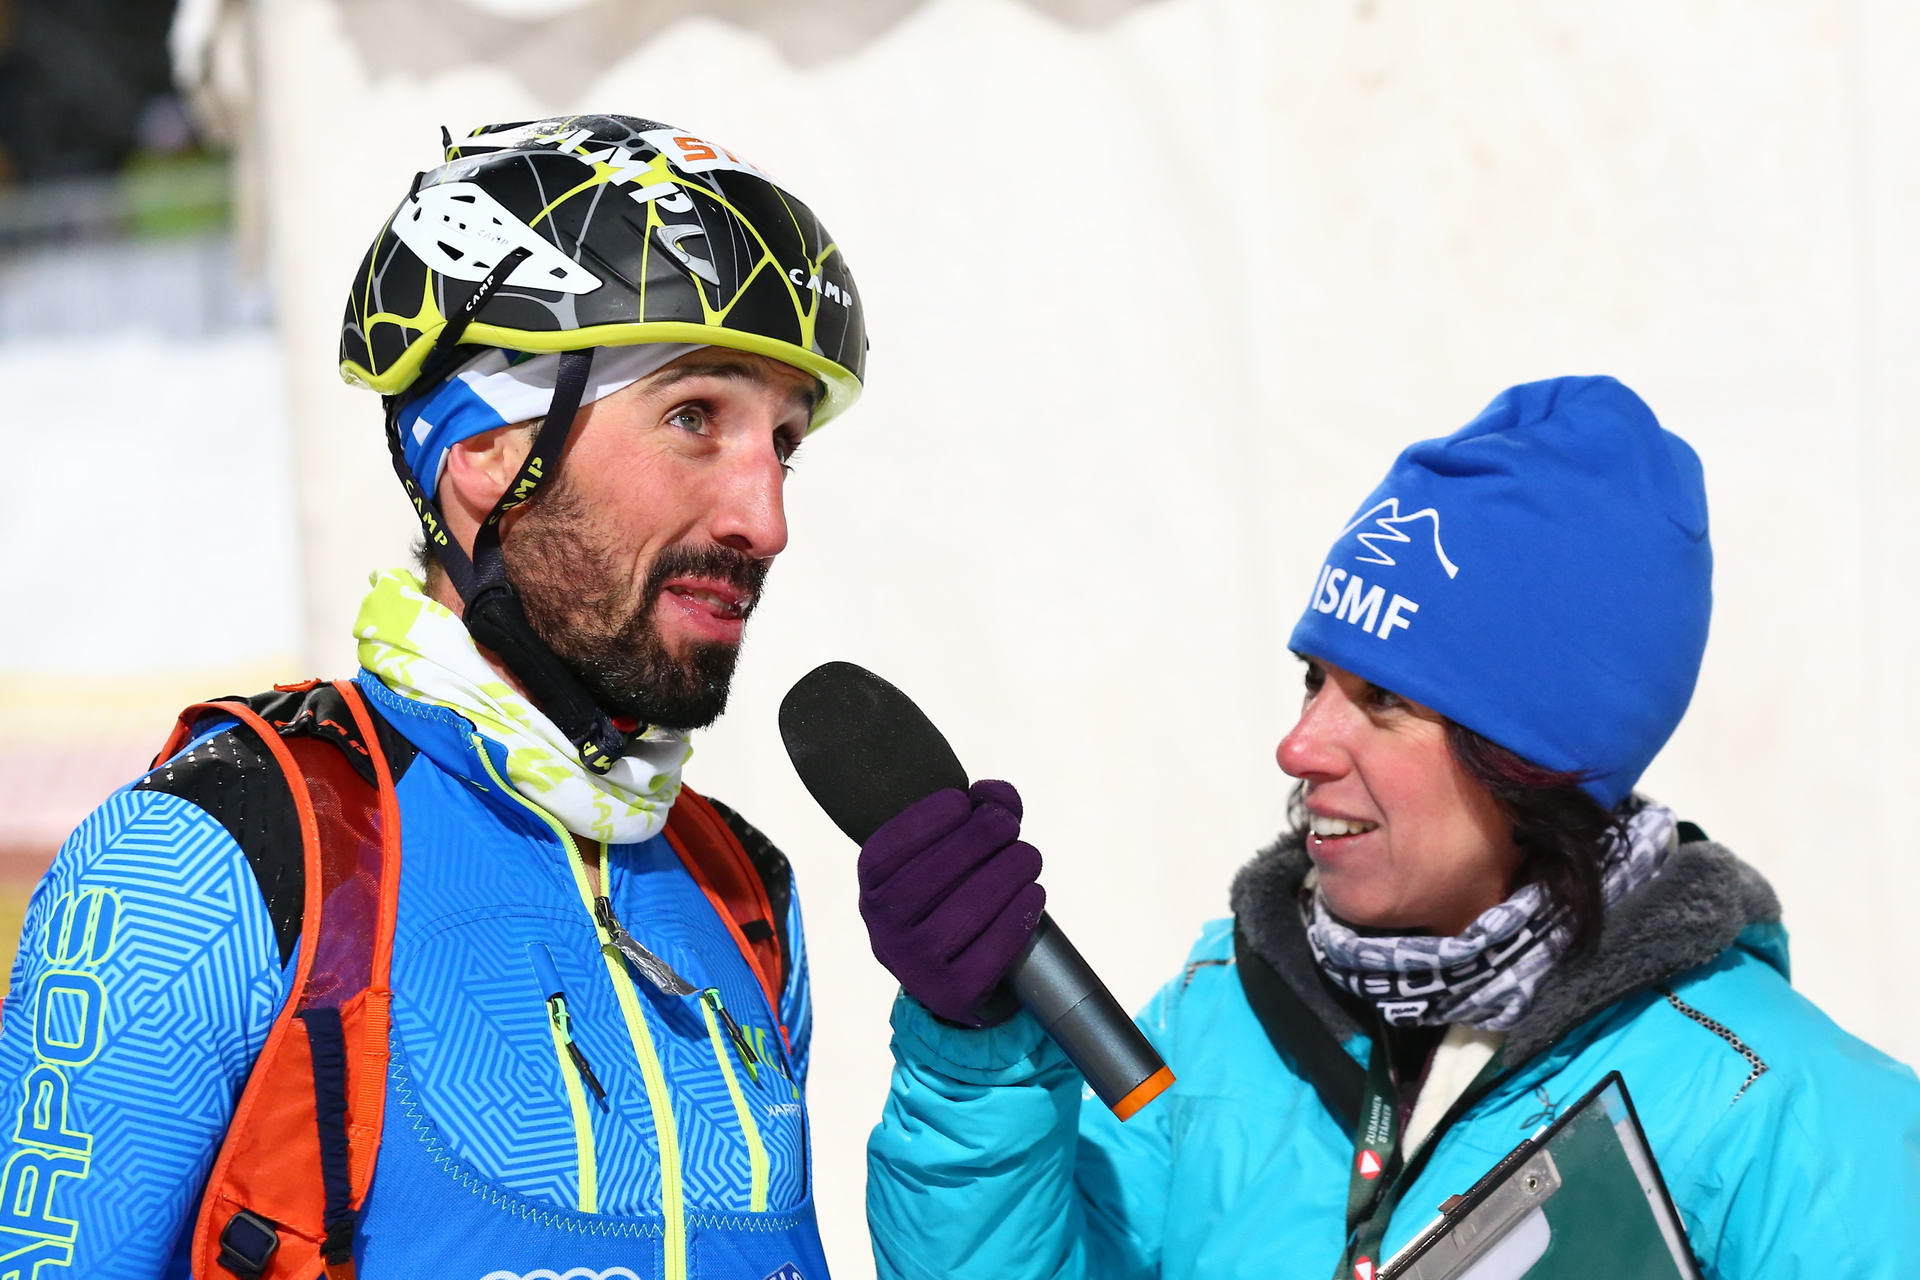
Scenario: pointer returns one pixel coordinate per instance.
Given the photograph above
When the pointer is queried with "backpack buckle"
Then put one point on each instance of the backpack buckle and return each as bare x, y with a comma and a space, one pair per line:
248, 1244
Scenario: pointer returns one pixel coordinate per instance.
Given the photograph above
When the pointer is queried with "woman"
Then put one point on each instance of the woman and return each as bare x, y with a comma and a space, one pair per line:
1472, 921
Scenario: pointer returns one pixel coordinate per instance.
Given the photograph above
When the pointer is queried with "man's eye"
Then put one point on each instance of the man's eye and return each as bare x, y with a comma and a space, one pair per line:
1312, 679
689, 418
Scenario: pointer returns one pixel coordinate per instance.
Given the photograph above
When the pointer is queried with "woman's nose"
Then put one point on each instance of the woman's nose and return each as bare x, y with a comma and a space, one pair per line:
1311, 750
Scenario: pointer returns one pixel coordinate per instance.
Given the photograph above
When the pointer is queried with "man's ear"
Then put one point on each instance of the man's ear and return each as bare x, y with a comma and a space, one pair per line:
480, 468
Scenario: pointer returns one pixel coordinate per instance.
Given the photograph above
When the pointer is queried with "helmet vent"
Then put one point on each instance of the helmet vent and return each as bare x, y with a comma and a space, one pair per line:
674, 234
460, 231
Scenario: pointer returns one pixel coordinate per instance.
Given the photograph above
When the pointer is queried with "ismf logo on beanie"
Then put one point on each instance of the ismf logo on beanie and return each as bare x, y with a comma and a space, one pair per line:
1386, 541
1542, 576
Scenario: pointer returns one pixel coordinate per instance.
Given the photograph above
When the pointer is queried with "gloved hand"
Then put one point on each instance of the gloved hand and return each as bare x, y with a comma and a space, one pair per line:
949, 894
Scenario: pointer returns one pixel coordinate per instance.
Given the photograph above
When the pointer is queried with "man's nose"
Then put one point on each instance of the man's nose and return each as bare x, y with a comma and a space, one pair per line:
750, 512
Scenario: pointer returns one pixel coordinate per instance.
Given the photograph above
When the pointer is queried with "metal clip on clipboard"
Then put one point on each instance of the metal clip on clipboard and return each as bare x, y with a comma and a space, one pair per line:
1582, 1198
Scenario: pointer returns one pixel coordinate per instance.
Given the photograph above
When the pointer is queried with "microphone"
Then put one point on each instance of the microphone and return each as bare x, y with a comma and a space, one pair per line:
865, 752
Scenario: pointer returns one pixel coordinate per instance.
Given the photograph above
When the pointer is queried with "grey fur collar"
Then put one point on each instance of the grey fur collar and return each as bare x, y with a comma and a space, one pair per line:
1684, 917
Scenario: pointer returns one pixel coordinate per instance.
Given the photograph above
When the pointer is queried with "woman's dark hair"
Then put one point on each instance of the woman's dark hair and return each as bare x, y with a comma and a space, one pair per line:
1562, 832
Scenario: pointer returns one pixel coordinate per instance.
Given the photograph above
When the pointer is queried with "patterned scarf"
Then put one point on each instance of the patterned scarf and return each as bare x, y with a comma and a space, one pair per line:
1485, 977
424, 652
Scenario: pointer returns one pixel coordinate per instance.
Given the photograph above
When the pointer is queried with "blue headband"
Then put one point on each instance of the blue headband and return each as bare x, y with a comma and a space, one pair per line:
498, 388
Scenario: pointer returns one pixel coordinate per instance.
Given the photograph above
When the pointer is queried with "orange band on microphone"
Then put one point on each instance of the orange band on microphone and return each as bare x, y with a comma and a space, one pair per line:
1143, 1093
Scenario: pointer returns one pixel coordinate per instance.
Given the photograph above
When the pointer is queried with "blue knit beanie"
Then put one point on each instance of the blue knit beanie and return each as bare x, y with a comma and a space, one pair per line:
1541, 576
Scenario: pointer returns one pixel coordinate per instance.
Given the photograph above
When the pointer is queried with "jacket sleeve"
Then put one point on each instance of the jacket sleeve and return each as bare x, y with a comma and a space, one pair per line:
1826, 1182
992, 1159
146, 980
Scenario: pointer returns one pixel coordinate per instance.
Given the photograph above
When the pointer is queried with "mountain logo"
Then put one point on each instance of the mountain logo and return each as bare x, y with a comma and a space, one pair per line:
1388, 532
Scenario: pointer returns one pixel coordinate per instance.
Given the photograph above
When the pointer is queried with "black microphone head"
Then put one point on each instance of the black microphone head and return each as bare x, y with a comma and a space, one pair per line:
864, 751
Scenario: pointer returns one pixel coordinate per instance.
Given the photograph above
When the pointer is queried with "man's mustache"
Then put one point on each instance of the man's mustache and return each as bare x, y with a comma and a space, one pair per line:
724, 564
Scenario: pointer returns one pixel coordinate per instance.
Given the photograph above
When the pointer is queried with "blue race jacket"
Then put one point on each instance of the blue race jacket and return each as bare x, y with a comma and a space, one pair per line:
151, 968
1791, 1149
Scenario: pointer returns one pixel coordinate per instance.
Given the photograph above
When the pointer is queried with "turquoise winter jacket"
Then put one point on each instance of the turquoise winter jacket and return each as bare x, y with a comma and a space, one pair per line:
1791, 1148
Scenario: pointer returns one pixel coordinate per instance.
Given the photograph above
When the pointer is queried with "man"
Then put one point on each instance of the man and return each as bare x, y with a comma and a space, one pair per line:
440, 971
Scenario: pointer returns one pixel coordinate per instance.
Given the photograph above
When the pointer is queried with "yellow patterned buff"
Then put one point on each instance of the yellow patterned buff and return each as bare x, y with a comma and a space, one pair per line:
424, 652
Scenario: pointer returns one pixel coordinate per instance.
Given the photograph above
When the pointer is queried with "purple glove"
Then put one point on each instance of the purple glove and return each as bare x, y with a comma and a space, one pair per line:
948, 892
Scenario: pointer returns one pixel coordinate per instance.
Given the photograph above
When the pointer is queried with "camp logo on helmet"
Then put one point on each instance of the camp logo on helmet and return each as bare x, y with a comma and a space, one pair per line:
829, 290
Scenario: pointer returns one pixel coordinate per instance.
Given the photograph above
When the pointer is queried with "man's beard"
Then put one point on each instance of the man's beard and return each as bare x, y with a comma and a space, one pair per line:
579, 603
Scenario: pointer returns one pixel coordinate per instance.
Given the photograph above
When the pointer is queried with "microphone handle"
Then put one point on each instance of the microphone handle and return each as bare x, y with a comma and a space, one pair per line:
1080, 1014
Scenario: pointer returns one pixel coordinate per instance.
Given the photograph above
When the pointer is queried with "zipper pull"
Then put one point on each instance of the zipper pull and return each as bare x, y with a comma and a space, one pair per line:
662, 976
651, 967
563, 1023
749, 1058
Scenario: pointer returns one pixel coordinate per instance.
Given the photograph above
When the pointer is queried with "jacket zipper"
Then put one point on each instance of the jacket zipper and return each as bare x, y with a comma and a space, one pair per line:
575, 1072
659, 1102
563, 1028
714, 1011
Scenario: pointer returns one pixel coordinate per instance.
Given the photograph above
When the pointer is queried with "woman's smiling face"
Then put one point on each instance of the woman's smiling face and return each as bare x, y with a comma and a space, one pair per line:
1404, 839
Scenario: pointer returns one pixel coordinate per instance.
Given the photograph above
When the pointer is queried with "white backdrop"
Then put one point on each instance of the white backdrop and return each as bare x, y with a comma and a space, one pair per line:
1156, 290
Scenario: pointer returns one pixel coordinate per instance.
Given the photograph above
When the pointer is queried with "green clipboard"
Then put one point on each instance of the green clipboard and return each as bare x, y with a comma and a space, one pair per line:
1581, 1199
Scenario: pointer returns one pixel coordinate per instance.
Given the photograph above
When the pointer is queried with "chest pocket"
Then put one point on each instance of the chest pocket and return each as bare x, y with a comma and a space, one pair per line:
521, 1060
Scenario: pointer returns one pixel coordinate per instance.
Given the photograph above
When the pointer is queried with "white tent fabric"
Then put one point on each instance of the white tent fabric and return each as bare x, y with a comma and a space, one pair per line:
1156, 290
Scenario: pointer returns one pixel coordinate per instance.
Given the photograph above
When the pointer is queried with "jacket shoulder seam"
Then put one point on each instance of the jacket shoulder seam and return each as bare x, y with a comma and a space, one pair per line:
1757, 1066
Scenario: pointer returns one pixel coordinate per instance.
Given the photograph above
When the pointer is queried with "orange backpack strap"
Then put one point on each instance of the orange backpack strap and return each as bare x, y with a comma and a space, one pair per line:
286, 1188
719, 864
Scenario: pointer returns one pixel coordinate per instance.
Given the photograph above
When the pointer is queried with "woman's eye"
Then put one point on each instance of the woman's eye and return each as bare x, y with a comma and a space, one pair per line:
1383, 699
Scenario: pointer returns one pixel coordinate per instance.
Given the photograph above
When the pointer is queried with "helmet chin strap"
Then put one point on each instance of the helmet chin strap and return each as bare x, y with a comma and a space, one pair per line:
491, 607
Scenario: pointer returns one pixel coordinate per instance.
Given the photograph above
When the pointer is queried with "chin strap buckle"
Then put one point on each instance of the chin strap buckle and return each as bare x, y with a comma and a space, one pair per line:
498, 622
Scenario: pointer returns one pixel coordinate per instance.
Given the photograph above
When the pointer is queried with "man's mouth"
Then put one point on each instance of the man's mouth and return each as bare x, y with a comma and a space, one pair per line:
719, 601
